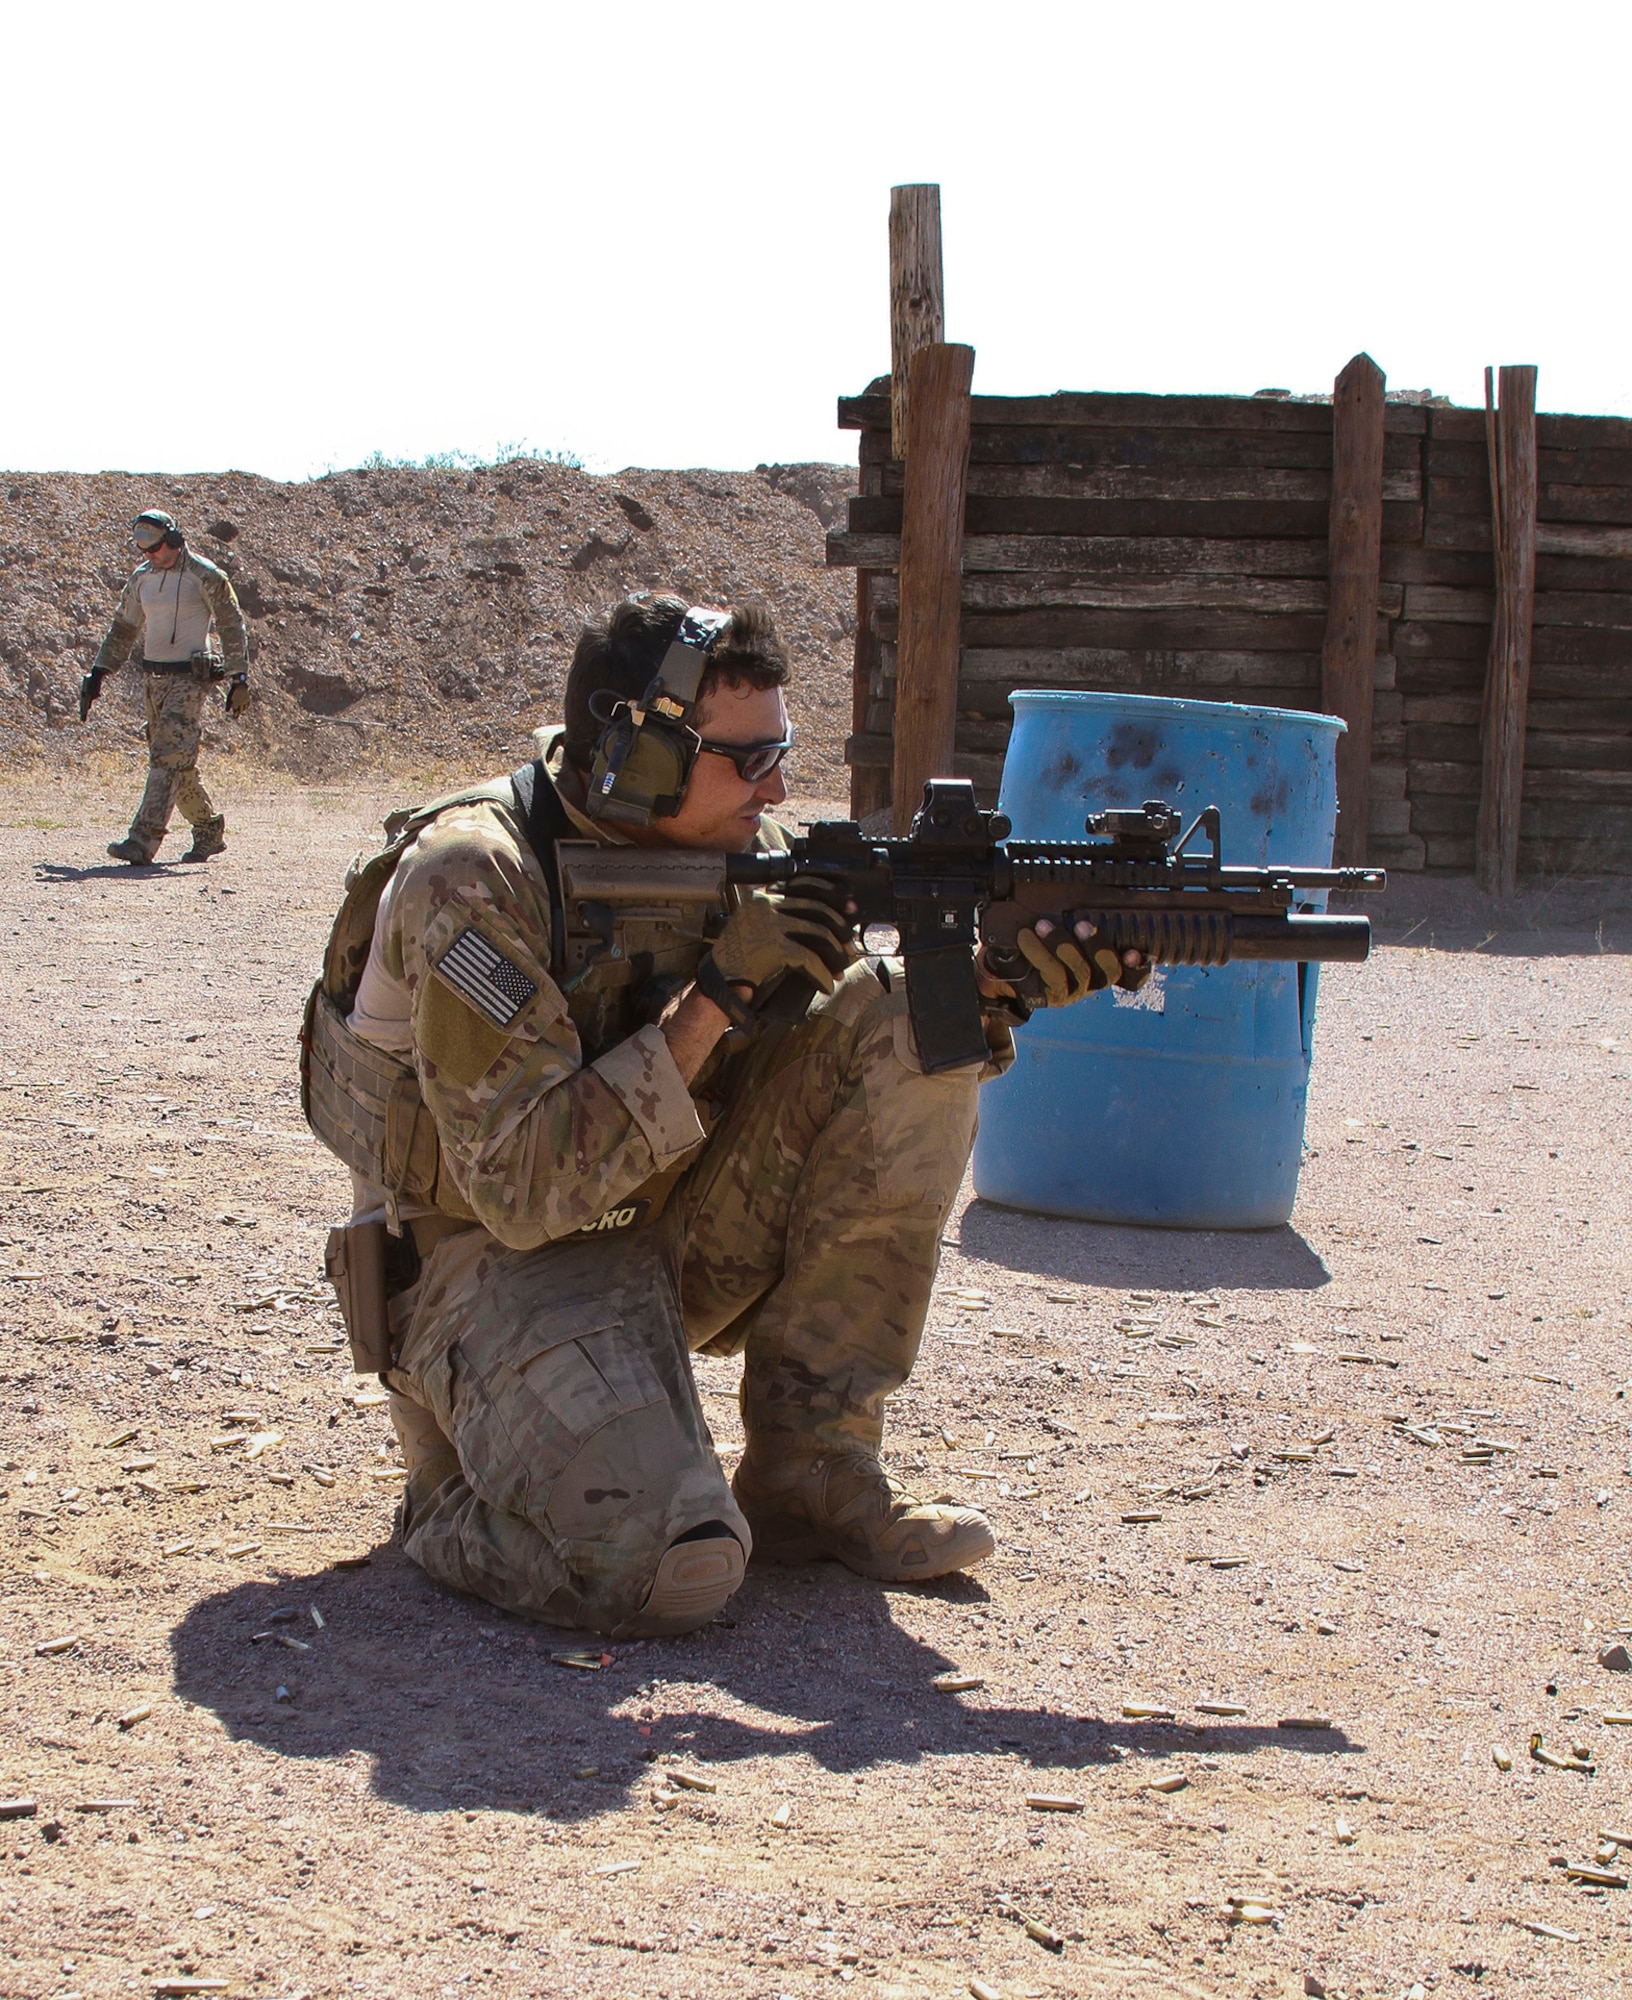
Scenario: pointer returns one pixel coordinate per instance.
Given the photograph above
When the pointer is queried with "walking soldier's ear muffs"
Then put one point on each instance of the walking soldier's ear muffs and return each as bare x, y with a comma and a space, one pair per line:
155, 529
646, 752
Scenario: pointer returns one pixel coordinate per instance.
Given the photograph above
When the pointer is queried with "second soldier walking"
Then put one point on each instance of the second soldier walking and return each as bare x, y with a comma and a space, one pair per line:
168, 608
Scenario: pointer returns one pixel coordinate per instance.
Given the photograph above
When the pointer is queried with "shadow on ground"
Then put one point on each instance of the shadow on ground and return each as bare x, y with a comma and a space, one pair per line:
462, 1706
1171, 1260
110, 871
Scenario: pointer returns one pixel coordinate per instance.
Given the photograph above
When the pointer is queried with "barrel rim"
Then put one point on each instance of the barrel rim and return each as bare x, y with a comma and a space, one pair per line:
1172, 704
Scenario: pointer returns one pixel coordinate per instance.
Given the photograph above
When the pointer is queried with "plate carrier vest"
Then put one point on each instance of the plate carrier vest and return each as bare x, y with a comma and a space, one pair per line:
363, 1103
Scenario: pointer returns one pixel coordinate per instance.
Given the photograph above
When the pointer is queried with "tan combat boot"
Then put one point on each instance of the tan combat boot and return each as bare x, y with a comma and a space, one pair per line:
427, 1456
209, 837
803, 1505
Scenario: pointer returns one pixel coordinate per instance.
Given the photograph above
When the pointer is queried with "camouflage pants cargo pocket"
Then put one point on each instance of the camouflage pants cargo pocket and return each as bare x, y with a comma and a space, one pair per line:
561, 1377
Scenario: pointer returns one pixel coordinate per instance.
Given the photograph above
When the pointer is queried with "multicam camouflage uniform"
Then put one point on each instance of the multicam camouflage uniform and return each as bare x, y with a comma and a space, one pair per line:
168, 614
806, 1180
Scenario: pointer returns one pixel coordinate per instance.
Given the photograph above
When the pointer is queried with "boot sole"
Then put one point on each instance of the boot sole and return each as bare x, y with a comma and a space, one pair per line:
693, 1581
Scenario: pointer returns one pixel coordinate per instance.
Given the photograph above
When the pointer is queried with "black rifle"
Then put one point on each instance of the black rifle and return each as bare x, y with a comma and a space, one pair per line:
957, 876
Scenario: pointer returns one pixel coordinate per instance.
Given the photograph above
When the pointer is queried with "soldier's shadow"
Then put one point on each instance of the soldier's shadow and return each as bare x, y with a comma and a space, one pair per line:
461, 1706
106, 871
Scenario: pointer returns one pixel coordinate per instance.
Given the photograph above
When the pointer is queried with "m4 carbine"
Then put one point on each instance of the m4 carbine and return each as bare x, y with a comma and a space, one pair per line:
957, 879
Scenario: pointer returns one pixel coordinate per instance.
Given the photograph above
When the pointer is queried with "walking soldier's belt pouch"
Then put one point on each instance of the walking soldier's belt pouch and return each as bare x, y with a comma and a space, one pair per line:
355, 1261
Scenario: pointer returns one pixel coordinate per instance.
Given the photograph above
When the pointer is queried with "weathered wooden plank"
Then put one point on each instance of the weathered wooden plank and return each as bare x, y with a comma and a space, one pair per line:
1559, 538
1416, 639
927, 588
1205, 629
1463, 569
1604, 609
1558, 432
1442, 743
1462, 459
1109, 407
1603, 715
1426, 779
1260, 519
1555, 535
1512, 440
1110, 557
1566, 645
1076, 449
1450, 856
1456, 424
1387, 816
1425, 679
1460, 709
1401, 854
1584, 786
1024, 590
1087, 666
1434, 812
1608, 851
1052, 480
917, 297
1103, 410
869, 790
1575, 750
1354, 594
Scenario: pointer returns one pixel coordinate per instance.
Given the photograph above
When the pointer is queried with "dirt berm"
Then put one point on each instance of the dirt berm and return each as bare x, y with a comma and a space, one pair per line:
412, 619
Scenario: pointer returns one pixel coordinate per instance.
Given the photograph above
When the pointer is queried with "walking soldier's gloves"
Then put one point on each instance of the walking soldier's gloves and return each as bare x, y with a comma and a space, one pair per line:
1071, 968
237, 694
770, 936
89, 688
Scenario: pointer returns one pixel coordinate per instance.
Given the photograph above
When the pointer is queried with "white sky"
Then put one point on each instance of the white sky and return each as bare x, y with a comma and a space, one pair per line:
279, 237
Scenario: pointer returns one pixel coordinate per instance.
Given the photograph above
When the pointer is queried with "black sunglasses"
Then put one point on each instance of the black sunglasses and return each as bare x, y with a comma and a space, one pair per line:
754, 761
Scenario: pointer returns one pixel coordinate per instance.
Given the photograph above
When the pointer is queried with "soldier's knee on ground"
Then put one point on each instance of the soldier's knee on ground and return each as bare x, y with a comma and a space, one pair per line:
697, 1576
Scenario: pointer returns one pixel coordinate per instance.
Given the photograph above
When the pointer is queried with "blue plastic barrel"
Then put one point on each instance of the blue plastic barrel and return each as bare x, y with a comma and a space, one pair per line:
1184, 1109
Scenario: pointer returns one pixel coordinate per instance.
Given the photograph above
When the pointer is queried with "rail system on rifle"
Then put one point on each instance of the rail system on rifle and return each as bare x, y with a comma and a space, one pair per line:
957, 879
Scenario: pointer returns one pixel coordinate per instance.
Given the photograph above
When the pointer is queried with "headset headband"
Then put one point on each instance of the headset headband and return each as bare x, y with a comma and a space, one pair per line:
685, 663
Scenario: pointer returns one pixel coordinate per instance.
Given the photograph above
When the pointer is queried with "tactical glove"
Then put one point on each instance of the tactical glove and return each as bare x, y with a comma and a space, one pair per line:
89, 688
237, 694
1068, 968
768, 937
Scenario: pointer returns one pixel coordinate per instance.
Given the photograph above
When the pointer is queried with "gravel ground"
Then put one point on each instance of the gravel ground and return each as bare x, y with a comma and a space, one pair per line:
270, 1753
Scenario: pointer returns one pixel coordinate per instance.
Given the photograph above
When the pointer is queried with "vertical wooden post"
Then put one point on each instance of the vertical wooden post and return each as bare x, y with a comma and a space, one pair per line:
1507, 672
1355, 540
926, 687
917, 301
869, 783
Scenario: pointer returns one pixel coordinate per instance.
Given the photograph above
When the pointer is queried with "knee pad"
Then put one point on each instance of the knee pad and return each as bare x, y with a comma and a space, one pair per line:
699, 1573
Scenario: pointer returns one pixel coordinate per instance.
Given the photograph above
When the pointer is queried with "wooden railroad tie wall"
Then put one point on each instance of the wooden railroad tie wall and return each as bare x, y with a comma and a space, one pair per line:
1182, 545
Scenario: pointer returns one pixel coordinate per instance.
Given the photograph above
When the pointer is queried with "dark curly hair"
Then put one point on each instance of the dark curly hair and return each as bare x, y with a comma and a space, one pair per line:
621, 651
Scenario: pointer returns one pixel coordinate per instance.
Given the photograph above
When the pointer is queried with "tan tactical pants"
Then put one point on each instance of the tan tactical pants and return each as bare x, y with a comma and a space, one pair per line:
175, 709
807, 1232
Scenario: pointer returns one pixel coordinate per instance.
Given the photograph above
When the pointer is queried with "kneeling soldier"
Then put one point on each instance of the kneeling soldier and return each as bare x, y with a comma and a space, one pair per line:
580, 1152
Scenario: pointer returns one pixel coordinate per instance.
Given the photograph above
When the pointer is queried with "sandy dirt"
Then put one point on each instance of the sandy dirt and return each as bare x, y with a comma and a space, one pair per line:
262, 1749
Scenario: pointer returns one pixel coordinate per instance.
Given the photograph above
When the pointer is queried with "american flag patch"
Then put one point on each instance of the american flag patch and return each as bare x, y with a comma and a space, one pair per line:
485, 978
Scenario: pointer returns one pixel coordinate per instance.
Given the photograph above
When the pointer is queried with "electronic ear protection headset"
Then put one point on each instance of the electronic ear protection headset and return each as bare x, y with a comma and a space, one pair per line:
155, 529
646, 751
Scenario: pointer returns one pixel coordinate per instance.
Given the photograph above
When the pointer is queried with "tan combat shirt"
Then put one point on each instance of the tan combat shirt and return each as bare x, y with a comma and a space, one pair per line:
168, 614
